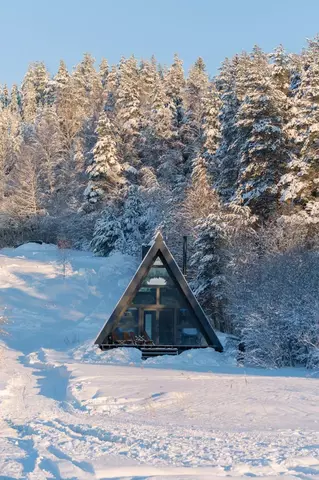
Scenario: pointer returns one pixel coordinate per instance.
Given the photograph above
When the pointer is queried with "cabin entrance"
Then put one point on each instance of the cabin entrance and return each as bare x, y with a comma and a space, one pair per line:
159, 325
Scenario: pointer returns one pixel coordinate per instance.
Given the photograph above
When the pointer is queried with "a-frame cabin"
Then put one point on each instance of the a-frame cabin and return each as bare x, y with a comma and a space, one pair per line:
158, 312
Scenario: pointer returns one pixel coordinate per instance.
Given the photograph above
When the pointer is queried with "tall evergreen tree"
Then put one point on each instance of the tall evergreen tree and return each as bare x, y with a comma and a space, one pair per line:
225, 166
105, 171
62, 77
196, 92
300, 182
264, 152
29, 103
104, 71
15, 100
161, 120
281, 69
174, 81
88, 84
128, 109
111, 89
4, 96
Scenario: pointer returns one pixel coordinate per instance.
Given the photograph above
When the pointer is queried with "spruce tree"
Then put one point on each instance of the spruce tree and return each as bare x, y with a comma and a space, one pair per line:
128, 109
108, 234
111, 90
62, 77
48, 151
264, 152
300, 182
105, 171
104, 71
210, 259
4, 96
196, 92
29, 103
211, 122
174, 82
15, 100
87, 82
225, 166
161, 120
281, 69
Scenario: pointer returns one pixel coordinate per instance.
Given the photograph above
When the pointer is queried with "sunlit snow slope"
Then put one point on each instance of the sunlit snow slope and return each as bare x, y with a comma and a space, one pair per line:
69, 411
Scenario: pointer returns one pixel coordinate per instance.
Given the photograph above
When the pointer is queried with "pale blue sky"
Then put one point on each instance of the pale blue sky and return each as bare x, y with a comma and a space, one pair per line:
46, 30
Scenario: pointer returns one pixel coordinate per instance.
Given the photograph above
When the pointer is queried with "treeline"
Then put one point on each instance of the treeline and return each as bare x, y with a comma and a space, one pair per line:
102, 158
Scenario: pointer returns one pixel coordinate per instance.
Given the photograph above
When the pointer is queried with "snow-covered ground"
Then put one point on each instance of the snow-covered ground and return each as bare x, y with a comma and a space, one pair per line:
69, 411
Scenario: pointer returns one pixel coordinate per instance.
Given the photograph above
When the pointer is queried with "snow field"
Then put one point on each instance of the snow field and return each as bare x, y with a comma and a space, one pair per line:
69, 411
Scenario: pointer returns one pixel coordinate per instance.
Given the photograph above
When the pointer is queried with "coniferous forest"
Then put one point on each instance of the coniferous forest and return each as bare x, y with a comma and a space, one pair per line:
102, 158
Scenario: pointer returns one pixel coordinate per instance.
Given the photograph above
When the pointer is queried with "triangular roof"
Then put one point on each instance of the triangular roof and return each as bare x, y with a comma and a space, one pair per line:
160, 249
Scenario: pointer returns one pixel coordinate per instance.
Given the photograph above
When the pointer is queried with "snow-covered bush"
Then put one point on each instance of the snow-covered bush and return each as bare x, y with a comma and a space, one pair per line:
107, 235
274, 303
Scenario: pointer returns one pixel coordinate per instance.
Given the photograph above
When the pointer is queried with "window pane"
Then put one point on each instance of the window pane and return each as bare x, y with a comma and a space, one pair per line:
170, 296
150, 324
166, 327
128, 323
145, 296
187, 332
158, 276
158, 261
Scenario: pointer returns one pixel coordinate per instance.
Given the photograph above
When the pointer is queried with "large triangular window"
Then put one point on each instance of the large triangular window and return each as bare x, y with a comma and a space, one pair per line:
158, 308
160, 312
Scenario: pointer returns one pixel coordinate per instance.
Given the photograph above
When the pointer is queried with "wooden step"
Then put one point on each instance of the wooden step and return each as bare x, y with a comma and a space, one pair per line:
156, 351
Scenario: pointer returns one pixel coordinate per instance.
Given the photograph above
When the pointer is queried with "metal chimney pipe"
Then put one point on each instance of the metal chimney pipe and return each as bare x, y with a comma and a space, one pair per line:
184, 255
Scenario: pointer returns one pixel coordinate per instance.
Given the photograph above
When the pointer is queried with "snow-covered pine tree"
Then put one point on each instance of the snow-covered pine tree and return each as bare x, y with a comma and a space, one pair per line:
225, 166
264, 152
39, 78
200, 196
128, 110
281, 70
104, 71
88, 83
161, 117
56, 84
111, 90
210, 134
108, 234
62, 77
47, 144
105, 171
211, 122
10, 142
148, 82
196, 92
300, 185
26, 191
225, 240
210, 260
15, 100
4, 97
132, 220
3, 158
174, 82
29, 102
71, 106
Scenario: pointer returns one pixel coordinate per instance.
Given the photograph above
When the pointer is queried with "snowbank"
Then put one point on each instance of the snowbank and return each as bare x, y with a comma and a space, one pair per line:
89, 353
206, 358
